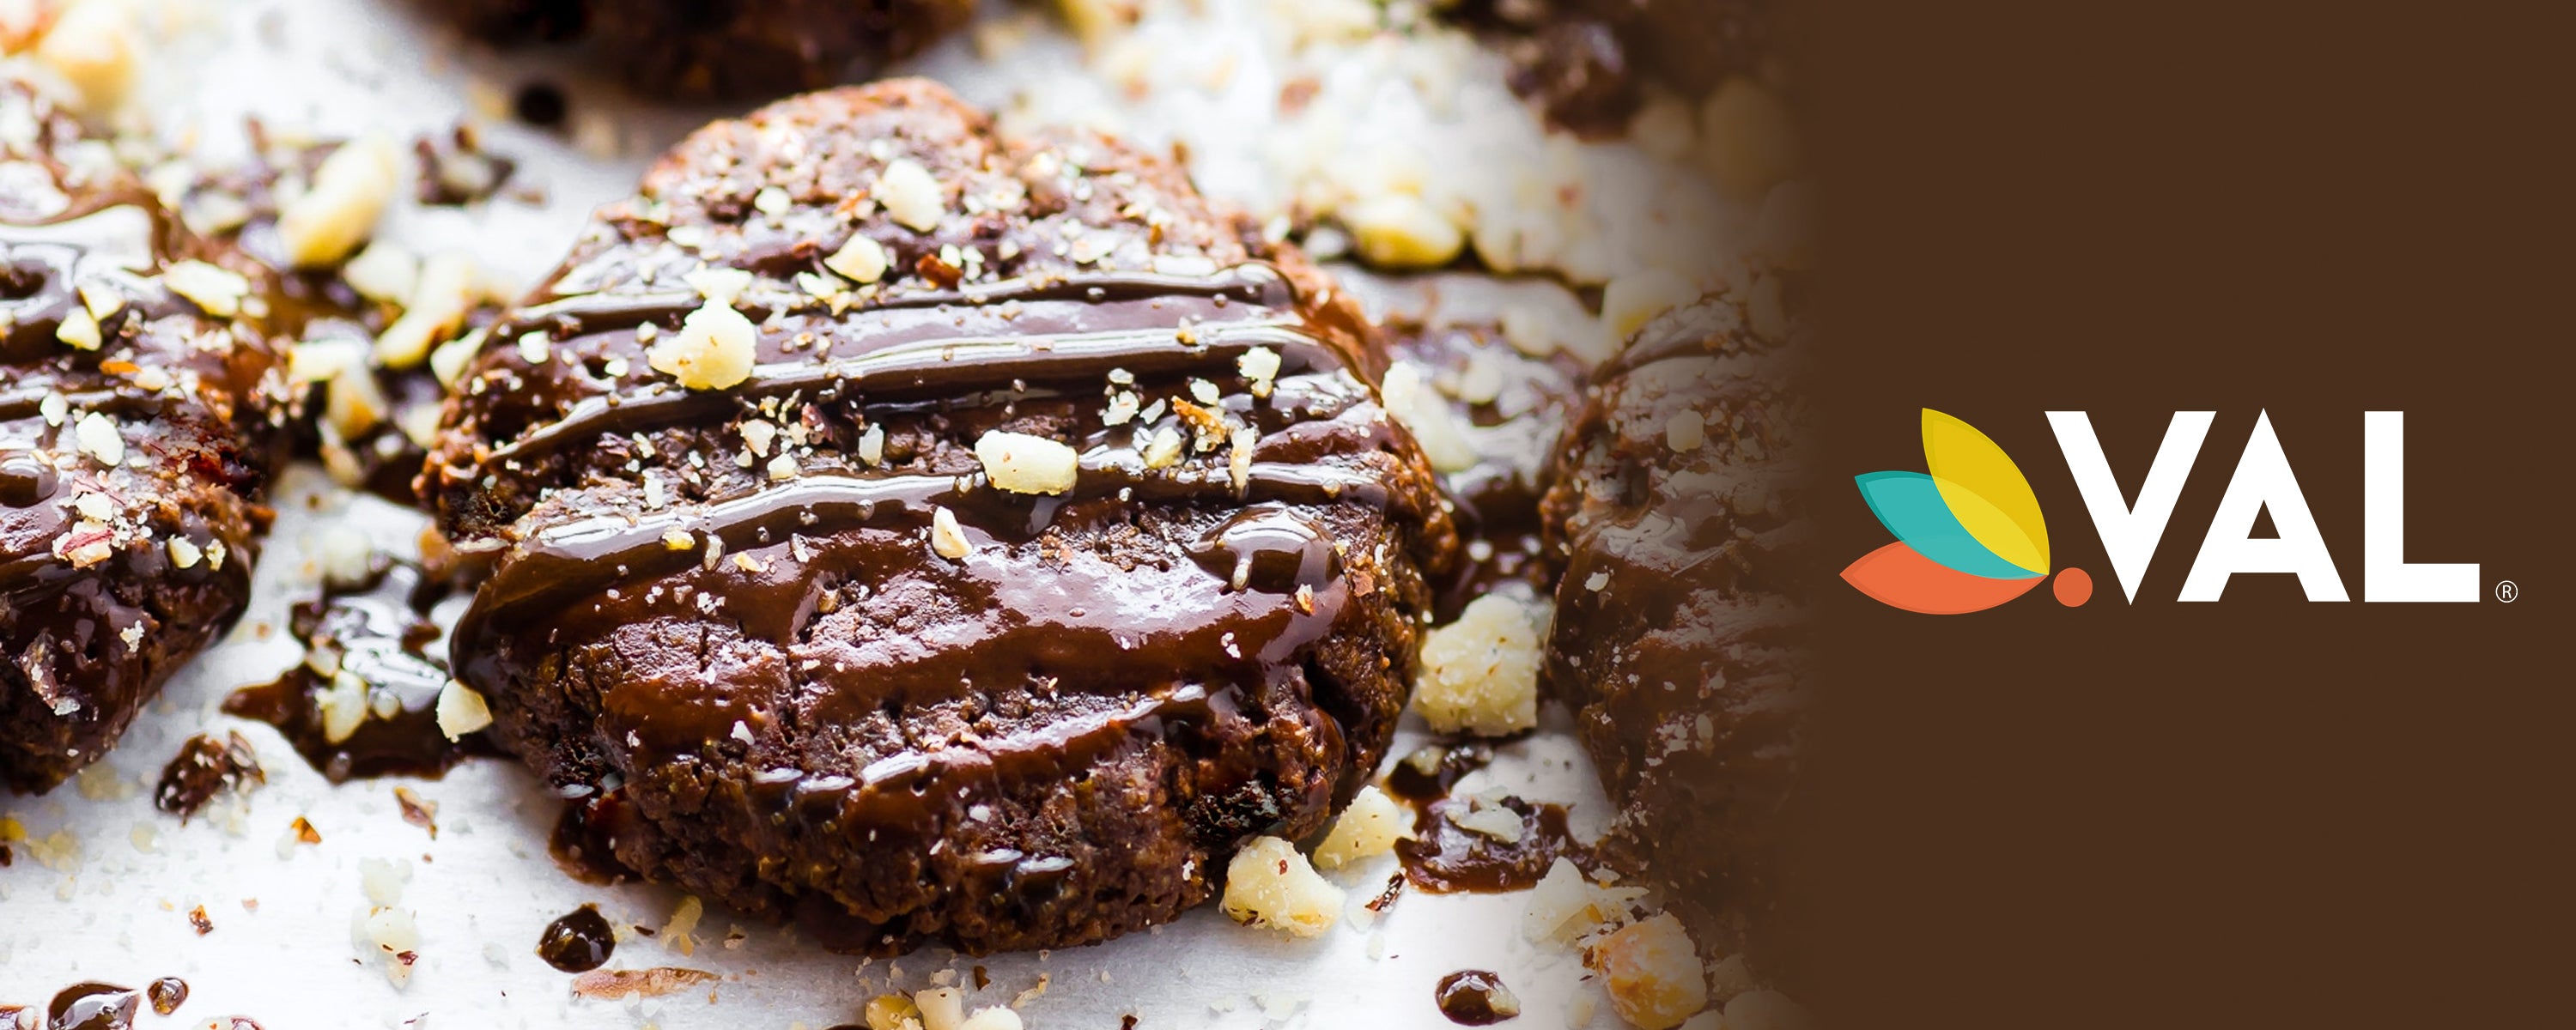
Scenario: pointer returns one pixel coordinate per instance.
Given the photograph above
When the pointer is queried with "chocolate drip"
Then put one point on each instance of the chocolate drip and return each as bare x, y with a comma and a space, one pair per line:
578, 941
380, 636
936, 344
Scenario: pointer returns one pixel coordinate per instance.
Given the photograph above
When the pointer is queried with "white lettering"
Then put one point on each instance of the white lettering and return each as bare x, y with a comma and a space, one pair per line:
2130, 534
2263, 481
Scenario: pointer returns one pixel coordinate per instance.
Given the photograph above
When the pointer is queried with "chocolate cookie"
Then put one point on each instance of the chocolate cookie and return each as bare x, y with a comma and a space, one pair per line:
1587, 62
1488, 416
139, 416
933, 534
1679, 622
728, 48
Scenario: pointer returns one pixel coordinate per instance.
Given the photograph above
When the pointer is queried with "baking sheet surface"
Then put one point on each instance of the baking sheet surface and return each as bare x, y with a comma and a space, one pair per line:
285, 946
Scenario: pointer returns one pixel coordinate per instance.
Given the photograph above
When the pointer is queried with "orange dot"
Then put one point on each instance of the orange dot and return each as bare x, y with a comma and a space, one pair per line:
2073, 587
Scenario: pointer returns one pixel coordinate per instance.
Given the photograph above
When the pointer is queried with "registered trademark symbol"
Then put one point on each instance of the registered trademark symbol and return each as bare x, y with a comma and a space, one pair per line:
2506, 591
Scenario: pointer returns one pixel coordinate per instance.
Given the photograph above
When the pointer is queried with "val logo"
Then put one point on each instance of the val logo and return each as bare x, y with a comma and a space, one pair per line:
1969, 535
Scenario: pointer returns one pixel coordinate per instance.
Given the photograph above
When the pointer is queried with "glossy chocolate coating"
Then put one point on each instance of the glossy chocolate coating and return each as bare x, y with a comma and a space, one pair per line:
97, 607
377, 631
1588, 63
577, 941
1518, 405
1050, 740
751, 49
1679, 622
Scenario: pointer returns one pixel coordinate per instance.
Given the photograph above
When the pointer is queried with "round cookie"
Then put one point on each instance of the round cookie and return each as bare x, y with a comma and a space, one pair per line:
1679, 624
936, 535
765, 48
139, 417
752, 49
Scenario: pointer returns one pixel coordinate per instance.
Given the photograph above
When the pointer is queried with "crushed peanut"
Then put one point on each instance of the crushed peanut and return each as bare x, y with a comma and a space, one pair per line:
1480, 673
1443, 434
861, 260
1025, 464
461, 710
1401, 231
1164, 451
98, 437
340, 209
1261, 366
1632, 300
1685, 431
216, 291
1653, 975
1268, 884
910, 195
1368, 828
714, 349
946, 538
79, 329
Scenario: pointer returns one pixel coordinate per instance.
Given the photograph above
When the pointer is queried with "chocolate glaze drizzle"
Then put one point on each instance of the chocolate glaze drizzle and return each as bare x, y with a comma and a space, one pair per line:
1475, 997
796, 549
380, 636
578, 941
93, 1006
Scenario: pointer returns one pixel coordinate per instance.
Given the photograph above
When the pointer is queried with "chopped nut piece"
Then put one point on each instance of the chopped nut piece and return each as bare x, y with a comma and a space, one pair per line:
679, 540
1436, 426
861, 260
1402, 231
1489, 819
891, 1012
1654, 977
714, 350
946, 539
354, 403
461, 710
992, 1018
1120, 410
1480, 673
342, 706
184, 553
677, 935
720, 285
1632, 300
1685, 431
1164, 451
440, 300
1368, 828
759, 435
101, 300
384, 272
1024, 464
942, 1008
80, 330
535, 348
1238, 464
1565, 905
99, 438
1207, 428
910, 195
1261, 365
340, 209
449, 360
216, 291
872, 446
91, 46
1268, 884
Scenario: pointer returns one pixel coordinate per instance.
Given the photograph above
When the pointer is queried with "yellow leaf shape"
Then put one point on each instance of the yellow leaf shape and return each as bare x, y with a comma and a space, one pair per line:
1985, 490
